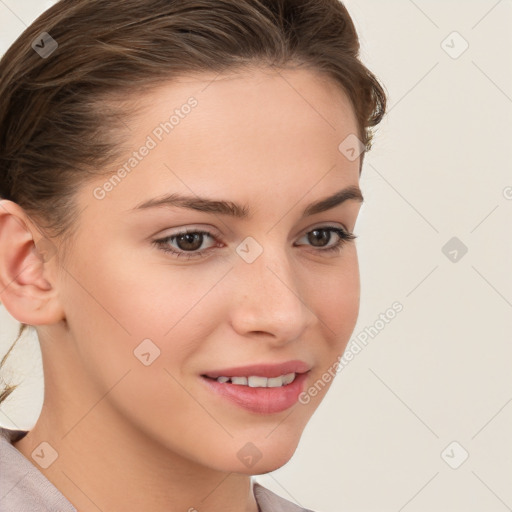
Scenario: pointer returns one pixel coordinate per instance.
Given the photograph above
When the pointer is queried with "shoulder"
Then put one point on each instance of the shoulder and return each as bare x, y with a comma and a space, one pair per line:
269, 501
23, 488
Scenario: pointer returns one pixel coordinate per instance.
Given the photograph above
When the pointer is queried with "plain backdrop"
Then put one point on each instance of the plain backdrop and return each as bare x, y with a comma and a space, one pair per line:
420, 419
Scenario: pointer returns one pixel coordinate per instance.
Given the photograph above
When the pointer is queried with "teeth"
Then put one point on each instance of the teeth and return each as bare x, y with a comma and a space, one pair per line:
274, 382
259, 382
289, 377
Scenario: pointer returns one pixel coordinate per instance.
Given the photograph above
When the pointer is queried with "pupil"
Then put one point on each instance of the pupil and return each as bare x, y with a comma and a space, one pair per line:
325, 235
189, 238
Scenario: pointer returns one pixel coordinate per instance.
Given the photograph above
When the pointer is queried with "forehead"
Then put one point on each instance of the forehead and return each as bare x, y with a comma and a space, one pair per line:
247, 131
235, 98
251, 87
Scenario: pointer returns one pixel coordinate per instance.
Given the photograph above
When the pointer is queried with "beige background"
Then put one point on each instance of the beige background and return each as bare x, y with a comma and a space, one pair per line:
439, 372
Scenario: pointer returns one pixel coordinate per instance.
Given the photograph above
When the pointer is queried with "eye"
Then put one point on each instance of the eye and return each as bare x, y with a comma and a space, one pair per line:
324, 233
189, 242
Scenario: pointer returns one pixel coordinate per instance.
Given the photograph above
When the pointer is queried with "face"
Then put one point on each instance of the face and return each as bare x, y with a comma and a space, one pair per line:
147, 321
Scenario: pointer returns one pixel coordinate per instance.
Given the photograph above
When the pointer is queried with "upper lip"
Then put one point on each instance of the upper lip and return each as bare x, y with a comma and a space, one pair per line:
261, 370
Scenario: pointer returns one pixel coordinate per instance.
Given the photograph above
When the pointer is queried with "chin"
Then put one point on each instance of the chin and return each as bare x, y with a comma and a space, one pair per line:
271, 455
270, 466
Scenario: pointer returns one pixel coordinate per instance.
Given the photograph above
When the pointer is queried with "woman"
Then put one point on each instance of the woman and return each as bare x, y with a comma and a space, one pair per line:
180, 186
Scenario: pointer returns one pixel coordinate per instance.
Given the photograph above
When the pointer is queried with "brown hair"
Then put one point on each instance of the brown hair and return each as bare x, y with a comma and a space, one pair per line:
59, 115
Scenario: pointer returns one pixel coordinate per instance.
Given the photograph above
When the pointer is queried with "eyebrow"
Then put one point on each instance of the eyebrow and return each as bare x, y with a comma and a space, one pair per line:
204, 204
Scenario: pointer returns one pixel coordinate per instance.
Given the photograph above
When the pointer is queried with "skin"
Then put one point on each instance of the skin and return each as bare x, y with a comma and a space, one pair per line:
136, 437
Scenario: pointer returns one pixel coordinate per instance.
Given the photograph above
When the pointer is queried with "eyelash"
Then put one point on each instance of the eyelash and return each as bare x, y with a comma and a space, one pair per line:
163, 243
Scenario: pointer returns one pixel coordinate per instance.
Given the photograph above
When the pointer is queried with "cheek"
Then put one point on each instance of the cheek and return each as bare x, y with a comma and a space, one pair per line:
336, 297
114, 303
137, 294
135, 327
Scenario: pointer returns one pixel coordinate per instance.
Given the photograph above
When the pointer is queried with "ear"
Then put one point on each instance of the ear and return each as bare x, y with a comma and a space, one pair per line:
27, 269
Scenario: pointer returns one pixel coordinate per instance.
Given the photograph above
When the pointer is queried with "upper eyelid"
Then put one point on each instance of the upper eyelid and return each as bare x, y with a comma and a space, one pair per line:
215, 238
215, 231
212, 231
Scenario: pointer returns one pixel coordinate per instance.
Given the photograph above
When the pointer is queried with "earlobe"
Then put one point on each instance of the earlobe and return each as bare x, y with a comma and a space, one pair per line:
25, 258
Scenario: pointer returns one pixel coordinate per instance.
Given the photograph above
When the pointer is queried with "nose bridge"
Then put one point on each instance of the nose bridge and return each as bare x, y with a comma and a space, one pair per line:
269, 297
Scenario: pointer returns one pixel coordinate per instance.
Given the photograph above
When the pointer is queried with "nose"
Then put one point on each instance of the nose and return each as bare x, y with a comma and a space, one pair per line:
269, 299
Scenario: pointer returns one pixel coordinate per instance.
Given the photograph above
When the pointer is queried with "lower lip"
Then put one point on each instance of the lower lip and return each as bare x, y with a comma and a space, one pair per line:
260, 400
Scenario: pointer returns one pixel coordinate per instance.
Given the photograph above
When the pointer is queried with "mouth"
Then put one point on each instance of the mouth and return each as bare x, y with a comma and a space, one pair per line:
261, 389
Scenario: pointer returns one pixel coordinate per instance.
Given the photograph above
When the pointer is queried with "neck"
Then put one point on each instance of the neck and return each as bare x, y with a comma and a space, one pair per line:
105, 464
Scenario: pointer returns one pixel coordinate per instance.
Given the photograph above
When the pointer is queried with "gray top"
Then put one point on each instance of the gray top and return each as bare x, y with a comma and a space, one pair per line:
24, 488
